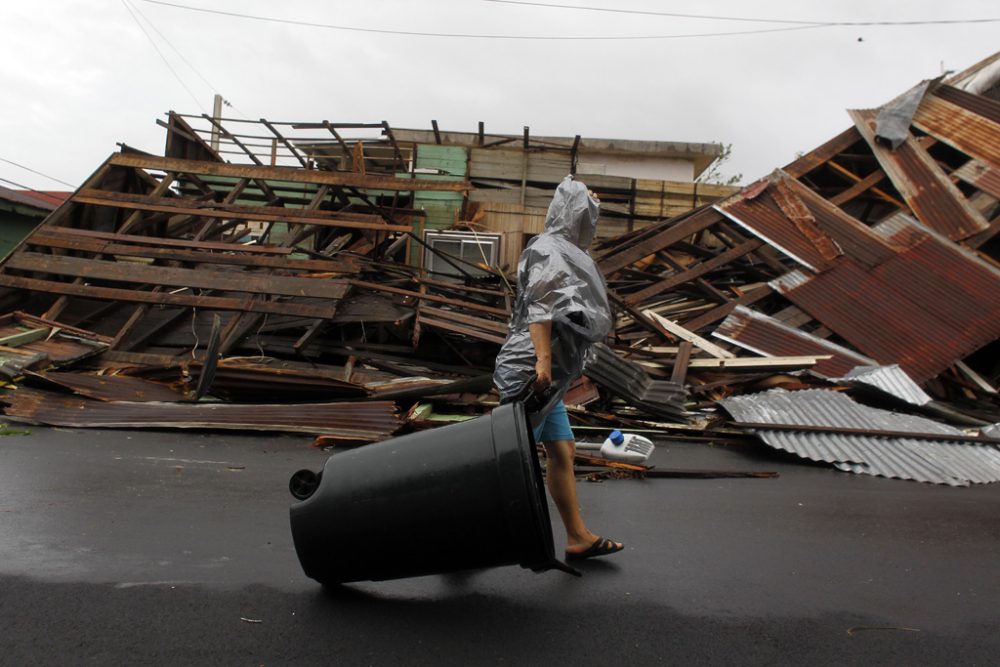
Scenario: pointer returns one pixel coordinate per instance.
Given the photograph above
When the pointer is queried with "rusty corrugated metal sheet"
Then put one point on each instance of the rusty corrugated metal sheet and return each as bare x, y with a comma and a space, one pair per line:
834, 227
368, 421
962, 129
761, 216
926, 308
980, 175
931, 196
891, 380
765, 335
977, 104
111, 387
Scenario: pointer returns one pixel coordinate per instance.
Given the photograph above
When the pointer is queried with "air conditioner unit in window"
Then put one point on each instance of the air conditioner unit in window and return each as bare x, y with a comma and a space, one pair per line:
445, 249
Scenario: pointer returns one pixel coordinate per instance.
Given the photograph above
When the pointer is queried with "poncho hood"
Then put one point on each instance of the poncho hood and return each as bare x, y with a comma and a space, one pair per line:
573, 213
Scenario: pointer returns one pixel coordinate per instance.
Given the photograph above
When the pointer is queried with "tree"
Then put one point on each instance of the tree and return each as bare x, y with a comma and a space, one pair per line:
713, 174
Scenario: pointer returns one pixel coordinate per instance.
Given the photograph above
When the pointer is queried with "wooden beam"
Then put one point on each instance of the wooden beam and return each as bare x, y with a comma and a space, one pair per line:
167, 298
314, 176
697, 271
861, 185
172, 243
684, 334
130, 272
679, 373
210, 209
378, 287
723, 311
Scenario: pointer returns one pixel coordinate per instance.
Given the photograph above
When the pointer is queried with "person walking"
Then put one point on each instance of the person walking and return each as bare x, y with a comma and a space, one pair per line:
561, 310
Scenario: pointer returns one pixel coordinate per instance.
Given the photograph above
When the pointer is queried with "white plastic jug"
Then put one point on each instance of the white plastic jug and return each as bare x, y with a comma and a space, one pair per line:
627, 447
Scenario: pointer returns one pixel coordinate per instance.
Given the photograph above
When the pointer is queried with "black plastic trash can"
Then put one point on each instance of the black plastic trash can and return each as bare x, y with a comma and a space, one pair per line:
469, 495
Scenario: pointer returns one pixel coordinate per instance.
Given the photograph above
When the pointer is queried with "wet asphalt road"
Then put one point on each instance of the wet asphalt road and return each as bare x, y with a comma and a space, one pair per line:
158, 548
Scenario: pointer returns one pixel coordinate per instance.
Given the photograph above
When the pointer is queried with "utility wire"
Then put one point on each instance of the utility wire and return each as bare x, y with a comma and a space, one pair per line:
416, 33
615, 10
51, 178
163, 57
186, 61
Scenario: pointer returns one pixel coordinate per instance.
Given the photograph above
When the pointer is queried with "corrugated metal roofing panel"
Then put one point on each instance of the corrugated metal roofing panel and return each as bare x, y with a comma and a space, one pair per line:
891, 379
46, 201
630, 381
765, 335
924, 309
762, 217
962, 129
931, 196
977, 104
111, 387
369, 421
924, 460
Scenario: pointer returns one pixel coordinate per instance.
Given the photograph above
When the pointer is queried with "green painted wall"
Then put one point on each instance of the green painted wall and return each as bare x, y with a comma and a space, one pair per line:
13, 228
441, 207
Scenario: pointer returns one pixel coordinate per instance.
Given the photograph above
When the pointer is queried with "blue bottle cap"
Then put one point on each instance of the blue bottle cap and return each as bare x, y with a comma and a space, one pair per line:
617, 437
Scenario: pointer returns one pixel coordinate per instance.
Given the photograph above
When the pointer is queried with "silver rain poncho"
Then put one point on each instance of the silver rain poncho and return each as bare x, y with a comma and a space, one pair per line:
557, 281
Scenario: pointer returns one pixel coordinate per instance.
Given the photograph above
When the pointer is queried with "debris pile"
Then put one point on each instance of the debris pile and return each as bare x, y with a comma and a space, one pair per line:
191, 291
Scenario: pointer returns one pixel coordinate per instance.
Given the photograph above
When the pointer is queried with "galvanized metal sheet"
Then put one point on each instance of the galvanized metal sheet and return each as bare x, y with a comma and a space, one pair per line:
923, 460
890, 379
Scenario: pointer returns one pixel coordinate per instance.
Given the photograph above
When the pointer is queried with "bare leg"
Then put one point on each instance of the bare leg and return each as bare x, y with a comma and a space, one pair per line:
562, 486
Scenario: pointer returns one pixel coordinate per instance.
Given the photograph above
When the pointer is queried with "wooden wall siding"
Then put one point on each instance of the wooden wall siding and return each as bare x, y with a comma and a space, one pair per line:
515, 165
515, 223
665, 199
442, 208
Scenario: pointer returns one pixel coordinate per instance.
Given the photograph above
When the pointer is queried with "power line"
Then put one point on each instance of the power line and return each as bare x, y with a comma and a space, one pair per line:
181, 55
415, 33
163, 57
33, 171
615, 10
170, 44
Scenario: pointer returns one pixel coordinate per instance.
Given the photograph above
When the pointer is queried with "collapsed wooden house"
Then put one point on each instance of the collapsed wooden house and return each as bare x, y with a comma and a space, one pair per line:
268, 266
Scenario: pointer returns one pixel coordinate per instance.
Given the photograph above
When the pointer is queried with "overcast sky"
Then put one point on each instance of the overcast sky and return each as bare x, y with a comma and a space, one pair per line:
80, 75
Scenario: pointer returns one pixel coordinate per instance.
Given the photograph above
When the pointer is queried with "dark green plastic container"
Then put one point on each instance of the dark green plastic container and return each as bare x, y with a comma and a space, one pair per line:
465, 496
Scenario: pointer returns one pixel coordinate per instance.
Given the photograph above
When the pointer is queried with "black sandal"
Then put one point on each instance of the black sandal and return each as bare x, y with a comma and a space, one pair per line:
600, 547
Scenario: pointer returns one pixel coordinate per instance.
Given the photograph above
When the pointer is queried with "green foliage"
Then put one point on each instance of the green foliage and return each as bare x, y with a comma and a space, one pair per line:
714, 173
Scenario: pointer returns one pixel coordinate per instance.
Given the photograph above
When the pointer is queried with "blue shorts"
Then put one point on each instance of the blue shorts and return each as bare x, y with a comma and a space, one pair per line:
556, 425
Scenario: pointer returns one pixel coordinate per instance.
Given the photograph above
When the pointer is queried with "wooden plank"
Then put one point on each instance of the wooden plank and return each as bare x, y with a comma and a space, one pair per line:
684, 334
130, 272
166, 298
697, 271
319, 177
428, 297
488, 325
679, 373
24, 337
172, 243
620, 257
723, 311
861, 185
461, 329
99, 246
763, 363
180, 206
